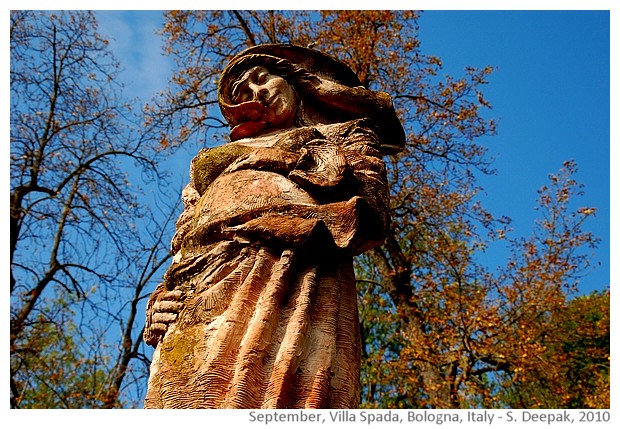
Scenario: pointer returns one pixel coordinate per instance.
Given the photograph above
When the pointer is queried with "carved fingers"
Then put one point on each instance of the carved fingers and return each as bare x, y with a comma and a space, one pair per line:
162, 313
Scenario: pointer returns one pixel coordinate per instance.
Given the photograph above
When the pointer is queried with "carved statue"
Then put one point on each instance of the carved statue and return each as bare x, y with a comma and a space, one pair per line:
259, 306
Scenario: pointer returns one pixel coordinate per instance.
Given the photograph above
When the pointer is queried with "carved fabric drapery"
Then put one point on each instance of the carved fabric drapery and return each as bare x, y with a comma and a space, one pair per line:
266, 329
270, 311
263, 272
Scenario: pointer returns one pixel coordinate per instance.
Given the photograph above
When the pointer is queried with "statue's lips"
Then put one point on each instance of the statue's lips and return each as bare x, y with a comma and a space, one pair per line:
248, 117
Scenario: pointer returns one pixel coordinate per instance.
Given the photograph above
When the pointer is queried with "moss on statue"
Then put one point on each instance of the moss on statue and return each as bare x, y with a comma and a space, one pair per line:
177, 348
210, 163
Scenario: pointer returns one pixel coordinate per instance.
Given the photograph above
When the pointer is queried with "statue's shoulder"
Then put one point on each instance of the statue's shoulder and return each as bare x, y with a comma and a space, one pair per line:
211, 162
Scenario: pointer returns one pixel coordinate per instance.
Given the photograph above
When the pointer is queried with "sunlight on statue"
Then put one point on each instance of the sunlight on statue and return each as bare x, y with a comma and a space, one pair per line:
259, 306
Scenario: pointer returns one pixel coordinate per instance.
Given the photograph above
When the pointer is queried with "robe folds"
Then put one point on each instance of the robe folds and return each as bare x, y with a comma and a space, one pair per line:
264, 266
271, 329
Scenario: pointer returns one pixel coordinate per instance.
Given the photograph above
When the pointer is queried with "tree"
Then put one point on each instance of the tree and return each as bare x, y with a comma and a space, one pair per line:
464, 328
439, 329
79, 262
557, 348
576, 356
441, 117
435, 321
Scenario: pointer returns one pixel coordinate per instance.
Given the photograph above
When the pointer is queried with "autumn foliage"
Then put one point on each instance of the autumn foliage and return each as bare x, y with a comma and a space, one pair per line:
439, 328
81, 249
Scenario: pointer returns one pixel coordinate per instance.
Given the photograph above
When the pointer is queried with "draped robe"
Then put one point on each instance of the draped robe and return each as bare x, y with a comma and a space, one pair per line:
264, 263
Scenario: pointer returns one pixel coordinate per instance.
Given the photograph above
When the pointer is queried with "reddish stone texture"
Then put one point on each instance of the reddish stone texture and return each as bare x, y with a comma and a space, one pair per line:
259, 307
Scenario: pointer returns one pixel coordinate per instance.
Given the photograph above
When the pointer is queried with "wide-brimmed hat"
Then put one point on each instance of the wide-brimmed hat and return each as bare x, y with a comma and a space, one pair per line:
346, 95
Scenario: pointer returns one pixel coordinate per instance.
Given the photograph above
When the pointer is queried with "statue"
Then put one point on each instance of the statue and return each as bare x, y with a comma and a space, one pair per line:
259, 308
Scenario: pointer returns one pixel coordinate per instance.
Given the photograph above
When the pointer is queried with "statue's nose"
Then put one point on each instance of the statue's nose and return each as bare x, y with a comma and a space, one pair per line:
261, 93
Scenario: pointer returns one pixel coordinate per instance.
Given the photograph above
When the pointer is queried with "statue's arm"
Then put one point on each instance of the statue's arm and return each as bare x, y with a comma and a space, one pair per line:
265, 158
371, 185
346, 162
164, 305
190, 197
347, 165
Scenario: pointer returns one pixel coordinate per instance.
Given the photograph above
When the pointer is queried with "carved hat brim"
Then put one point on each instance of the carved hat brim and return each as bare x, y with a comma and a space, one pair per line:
358, 101
284, 56
308, 59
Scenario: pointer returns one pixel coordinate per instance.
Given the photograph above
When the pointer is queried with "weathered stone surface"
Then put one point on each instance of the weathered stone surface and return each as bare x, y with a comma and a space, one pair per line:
259, 308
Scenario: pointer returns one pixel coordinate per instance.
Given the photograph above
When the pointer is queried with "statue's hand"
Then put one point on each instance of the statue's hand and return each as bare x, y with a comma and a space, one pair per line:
321, 165
159, 317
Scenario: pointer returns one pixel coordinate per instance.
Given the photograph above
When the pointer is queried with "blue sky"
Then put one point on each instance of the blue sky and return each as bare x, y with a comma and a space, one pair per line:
550, 94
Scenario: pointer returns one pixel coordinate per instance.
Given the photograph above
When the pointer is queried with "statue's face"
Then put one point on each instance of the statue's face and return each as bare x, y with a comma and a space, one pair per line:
273, 92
